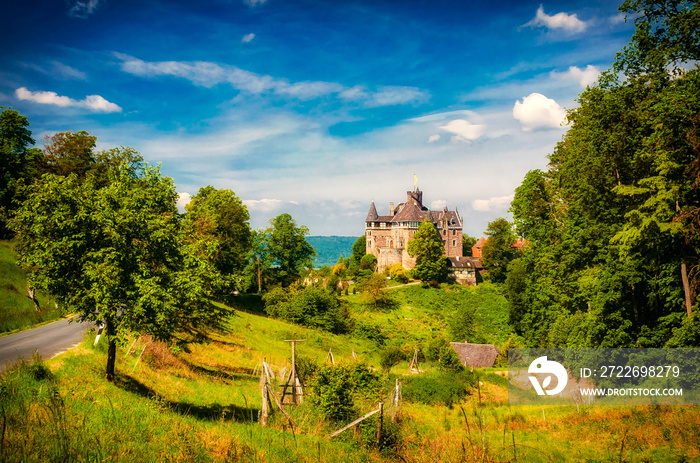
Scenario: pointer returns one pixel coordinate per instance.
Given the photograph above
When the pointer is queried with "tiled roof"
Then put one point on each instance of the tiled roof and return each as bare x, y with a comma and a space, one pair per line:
463, 262
411, 212
372, 214
476, 355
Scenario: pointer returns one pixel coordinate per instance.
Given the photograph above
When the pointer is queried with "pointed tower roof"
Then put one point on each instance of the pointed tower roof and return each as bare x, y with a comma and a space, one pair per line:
372, 215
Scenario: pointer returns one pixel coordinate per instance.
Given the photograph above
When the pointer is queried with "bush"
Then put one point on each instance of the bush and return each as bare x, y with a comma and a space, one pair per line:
398, 273
391, 356
335, 388
371, 332
306, 368
368, 262
312, 307
445, 388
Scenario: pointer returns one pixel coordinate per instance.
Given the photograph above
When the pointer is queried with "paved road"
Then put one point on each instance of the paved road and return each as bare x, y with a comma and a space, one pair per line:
48, 340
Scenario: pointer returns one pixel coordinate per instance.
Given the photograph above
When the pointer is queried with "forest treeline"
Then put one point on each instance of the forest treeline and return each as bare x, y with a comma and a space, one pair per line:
612, 225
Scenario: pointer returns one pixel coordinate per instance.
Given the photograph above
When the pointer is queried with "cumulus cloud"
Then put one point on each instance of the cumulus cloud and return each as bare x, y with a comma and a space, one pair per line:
83, 8
438, 204
92, 102
248, 38
463, 130
434, 138
183, 199
496, 202
584, 77
567, 22
208, 74
266, 205
536, 111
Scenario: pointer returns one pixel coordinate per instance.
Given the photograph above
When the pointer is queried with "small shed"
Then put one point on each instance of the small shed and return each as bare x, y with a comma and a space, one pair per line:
476, 355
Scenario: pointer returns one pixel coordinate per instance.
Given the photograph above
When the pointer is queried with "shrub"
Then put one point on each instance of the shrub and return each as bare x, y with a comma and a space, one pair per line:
312, 307
445, 388
391, 356
306, 368
371, 332
368, 262
335, 388
398, 273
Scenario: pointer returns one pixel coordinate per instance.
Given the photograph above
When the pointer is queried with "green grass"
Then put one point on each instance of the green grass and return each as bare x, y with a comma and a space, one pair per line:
201, 402
16, 309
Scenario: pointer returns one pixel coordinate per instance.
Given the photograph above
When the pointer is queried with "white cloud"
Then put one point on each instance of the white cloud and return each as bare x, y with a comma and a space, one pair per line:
434, 138
438, 204
566, 22
584, 77
619, 18
538, 112
463, 130
248, 38
266, 205
83, 8
497, 202
208, 74
254, 3
390, 96
183, 199
92, 102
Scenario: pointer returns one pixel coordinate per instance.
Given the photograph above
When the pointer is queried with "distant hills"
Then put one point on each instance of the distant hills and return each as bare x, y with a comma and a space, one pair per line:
330, 248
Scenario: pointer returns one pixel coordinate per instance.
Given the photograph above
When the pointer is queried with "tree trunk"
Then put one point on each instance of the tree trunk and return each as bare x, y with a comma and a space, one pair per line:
111, 349
686, 289
31, 294
259, 277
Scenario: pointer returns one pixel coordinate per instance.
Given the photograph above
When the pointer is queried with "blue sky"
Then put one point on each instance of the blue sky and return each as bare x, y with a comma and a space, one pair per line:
315, 108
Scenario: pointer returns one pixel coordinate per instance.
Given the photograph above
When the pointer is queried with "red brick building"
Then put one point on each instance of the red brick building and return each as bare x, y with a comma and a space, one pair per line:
388, 235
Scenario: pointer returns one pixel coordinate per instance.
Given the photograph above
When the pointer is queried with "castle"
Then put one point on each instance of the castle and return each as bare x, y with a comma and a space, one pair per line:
388, 235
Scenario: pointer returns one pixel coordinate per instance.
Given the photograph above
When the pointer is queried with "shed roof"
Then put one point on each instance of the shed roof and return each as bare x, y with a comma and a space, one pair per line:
476, 355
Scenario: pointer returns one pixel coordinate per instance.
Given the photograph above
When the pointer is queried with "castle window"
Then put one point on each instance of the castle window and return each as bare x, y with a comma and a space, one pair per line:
454, 242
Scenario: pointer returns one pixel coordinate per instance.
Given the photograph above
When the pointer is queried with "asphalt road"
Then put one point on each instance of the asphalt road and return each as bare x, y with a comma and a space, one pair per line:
47, 340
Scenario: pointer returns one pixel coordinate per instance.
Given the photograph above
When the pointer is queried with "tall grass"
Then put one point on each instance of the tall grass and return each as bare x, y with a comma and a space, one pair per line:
16, 309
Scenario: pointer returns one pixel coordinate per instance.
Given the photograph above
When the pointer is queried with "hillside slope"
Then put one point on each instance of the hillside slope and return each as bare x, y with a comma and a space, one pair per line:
16, 309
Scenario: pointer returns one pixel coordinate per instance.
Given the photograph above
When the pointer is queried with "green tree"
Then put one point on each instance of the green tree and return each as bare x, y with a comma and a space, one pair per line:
257, 271
289, 251
613, 223
467, 243
18, 162
220, 215
498, 249
359, 249
426, 246
373, 287
115, 254
70, 152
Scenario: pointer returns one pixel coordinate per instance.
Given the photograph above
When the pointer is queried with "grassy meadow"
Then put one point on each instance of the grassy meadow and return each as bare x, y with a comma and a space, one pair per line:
200, 402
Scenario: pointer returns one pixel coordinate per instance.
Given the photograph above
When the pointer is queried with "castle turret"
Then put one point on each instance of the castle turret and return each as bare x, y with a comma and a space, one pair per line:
372, 215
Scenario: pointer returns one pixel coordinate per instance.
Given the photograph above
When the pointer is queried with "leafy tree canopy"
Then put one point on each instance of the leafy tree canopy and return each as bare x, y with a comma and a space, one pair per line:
497, 251
288, 249
115, 254
426, 246
220, 215
613, 224
19, 163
